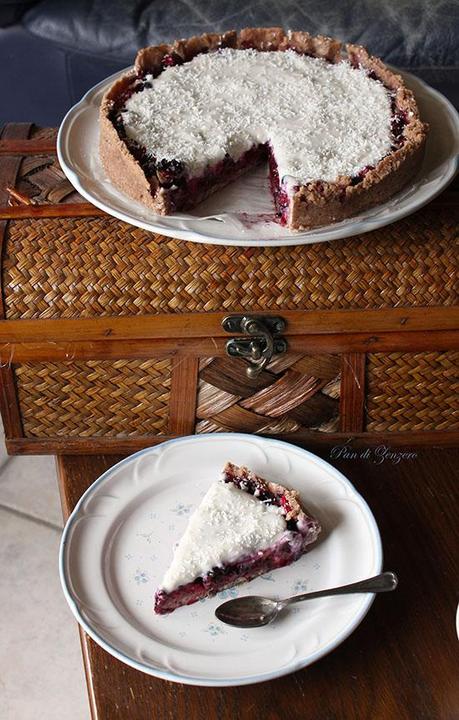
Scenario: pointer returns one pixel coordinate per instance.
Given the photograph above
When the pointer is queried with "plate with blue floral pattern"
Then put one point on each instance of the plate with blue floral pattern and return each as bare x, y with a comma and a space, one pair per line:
119, 540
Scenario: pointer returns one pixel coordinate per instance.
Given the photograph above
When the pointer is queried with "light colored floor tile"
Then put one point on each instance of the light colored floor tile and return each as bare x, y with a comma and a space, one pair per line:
3, 455
41, 672
29, 484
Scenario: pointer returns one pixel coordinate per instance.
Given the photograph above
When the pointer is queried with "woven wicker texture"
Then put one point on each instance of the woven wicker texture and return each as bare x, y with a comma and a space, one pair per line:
124, 397
412, 391
294, 393
86, 267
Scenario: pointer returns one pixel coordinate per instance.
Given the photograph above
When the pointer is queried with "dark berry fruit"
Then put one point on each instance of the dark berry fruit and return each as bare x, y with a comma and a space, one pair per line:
171, 59
398, 123
145, 85
145, 159
117, 120
359, 177
169, 171
285, 503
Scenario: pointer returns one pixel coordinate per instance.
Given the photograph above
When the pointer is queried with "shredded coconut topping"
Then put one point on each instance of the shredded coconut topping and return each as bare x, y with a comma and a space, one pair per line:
322, 120
228, 524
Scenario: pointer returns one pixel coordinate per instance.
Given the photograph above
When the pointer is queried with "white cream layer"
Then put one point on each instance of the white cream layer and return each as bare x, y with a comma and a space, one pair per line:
228, 524
322, 120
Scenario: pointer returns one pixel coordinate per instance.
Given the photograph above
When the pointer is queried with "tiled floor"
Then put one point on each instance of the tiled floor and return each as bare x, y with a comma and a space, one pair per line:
41, 674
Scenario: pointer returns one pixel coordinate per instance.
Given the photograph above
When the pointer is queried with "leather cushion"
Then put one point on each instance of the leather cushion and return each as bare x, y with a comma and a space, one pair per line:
407, 33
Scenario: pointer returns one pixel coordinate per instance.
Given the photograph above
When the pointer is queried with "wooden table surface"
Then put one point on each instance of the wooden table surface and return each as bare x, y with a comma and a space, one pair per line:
402, 661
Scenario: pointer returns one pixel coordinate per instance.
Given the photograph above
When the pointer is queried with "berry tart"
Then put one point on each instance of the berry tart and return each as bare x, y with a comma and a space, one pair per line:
340, 130
244, 527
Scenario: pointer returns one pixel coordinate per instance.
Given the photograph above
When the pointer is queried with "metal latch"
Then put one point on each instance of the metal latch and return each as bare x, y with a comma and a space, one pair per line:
259, 348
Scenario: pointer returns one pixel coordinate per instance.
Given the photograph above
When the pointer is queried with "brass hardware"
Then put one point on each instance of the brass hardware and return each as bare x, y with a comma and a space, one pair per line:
258, 349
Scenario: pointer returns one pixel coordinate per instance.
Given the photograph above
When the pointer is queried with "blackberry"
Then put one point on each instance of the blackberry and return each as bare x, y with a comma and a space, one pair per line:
359, 177
117, 120
145, 159
169, 171
144, 85
171, 59
398, 123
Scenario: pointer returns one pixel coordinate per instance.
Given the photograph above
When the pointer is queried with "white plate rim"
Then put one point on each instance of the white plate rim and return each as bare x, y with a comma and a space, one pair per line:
350, 229
210, 682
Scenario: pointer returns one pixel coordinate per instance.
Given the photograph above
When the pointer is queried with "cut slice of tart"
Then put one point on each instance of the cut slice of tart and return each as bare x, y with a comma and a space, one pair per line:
244, 527
340, 130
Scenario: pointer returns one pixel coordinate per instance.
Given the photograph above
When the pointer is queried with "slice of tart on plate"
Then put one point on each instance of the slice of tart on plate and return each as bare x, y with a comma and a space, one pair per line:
341, 131
244, 527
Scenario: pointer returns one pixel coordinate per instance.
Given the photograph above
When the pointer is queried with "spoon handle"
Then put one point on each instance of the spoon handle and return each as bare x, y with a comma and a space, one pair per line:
379, 583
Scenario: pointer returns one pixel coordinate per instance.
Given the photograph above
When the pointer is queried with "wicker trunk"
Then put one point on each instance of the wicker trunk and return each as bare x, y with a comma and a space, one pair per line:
113, 337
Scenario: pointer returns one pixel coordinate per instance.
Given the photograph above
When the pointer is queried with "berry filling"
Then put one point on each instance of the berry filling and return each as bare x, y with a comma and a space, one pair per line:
171, 59
398, 124
185, 191
169, 172
137, 86
220, 175
281, 200
359, 177
289, 549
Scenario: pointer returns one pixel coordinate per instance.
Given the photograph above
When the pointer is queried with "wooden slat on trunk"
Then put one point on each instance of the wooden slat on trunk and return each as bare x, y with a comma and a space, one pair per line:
182, 403
352, 396
111, 445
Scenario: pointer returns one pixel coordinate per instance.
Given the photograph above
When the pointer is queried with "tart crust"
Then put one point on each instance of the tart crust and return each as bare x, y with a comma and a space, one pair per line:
313, 204
241, 475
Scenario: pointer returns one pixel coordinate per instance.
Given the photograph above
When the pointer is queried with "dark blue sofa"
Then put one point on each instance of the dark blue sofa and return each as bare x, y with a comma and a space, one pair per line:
52, 51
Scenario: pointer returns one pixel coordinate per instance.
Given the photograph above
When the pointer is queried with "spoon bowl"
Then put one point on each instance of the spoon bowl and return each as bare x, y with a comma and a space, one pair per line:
249, 611
255, 611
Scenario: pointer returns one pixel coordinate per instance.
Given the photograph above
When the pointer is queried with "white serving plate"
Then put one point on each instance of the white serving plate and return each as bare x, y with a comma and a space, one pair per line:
227, 218
118, 543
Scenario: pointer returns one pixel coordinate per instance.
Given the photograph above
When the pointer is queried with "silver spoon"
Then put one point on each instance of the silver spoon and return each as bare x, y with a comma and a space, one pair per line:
255, 611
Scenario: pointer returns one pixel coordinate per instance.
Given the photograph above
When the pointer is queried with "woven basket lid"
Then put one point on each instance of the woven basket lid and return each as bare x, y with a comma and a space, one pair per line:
89, 267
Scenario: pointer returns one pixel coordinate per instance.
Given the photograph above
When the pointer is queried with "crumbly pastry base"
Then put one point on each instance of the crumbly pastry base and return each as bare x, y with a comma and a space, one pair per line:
241, 475
314, 204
